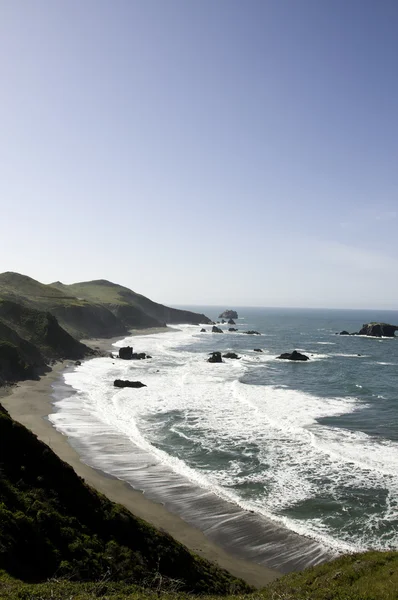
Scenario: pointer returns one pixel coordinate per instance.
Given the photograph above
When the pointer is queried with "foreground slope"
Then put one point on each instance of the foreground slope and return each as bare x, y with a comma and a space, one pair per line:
53, 525
369, 576
124, 302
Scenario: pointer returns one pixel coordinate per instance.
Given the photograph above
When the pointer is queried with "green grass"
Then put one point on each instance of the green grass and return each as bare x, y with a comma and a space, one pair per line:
369, 576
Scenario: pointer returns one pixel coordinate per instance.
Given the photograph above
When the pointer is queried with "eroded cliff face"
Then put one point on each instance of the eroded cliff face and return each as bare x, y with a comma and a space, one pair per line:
378, 329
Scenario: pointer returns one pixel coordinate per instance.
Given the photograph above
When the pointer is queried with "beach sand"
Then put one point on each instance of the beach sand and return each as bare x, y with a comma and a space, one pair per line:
30, 402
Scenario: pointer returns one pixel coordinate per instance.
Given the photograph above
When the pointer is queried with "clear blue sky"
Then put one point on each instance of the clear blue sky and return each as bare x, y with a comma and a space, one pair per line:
201, 151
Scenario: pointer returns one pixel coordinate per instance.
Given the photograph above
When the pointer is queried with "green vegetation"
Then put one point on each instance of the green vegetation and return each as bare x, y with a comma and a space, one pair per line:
92, 309
369, 576
42, 330
127, 305
19, 359
53, 525
81, 318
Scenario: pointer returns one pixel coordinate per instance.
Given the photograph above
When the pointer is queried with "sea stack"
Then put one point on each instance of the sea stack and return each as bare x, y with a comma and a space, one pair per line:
378, 330
228, 314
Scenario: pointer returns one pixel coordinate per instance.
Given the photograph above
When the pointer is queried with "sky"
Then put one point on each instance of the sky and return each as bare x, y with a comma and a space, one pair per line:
237, 153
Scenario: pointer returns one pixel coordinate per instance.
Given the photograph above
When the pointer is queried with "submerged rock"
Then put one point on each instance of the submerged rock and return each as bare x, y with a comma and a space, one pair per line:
232, 329
252, 332
215, 357
203, 330
216, 329
344, 332
293, 356
257, 350
231, 322
122, 383
139, 356
231, 355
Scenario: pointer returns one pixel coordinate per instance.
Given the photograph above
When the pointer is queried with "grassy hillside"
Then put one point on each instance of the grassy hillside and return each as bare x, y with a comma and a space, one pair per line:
370, 576
113, 295
19, 359
92, 309
53, 525
81, 318
42, 330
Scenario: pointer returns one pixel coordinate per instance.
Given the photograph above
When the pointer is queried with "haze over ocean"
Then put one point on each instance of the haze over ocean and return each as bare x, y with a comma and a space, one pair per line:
203, 152
257, 450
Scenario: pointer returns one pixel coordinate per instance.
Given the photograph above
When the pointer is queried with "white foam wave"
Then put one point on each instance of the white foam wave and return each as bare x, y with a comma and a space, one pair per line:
293, 457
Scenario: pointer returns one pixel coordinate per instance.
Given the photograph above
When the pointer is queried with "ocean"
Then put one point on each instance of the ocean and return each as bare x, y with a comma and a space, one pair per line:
287, 464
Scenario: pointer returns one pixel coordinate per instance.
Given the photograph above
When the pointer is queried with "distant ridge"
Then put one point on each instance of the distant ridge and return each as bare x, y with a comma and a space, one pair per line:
40, 322
128, 305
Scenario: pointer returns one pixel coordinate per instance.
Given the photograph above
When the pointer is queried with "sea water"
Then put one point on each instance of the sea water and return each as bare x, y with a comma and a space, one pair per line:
292, 462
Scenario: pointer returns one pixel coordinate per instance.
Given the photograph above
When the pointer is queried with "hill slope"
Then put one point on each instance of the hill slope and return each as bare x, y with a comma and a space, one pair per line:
19, 359
82, 319
42, 330
123, 302
92, 309
53, 524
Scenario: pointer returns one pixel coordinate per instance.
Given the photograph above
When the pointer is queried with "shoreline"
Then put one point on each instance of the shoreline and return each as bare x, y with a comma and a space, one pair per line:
30, 403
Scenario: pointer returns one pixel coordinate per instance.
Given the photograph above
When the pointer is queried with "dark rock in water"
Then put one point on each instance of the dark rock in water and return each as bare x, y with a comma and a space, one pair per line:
215, 357
229, 314
148, 356
293, 356
222, 321
378, 330
78, 363
257, 350
203, 330
344, 332
139, 356
126, 352
231, 355
231, 322
122, 383
252, 332
232, 329
215, 329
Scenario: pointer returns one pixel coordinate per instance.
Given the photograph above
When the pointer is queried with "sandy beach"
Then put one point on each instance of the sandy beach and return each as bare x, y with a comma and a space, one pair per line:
30, 403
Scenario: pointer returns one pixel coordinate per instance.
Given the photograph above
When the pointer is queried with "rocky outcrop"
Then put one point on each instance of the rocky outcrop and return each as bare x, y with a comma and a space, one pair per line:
252, 332
231, 355
378, 330
344, 332
232, 329
203, 330
215, 357
126, 352
228, 314
293, 356
123, 383
231, 322
257, 350
216, 329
